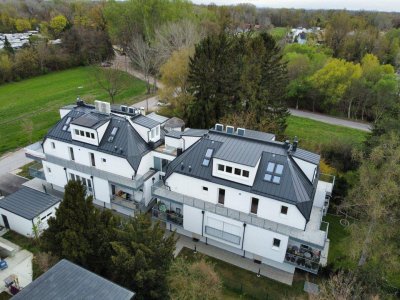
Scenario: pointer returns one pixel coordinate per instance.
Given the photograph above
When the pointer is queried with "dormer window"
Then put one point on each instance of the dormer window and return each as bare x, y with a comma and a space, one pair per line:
273, 172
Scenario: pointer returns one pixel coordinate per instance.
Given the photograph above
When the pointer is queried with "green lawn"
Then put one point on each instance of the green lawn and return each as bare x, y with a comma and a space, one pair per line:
39, 100
339, 239
312, 134
278, 32
243, 284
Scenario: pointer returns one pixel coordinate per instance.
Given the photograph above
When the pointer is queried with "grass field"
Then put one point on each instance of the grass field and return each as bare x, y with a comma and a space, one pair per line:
278, 32
242, 284
313, 134
39, 99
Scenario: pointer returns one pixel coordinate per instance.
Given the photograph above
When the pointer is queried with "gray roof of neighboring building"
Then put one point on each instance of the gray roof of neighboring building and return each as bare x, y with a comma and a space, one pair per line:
158, 118
188, 132
174, 122
294, 188
66, 280
145, 122
127, 143
28, 203
174, 134
91, 120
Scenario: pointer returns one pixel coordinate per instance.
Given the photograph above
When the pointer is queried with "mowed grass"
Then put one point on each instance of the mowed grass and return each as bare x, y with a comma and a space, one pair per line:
38, 100
313, 134
278, 32
242, 284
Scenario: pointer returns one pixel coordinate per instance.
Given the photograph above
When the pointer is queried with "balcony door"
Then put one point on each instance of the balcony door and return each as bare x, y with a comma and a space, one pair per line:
221, 196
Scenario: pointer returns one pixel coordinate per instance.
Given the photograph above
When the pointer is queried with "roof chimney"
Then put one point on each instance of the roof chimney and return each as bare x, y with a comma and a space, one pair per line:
295, 143
287, 144
79, 101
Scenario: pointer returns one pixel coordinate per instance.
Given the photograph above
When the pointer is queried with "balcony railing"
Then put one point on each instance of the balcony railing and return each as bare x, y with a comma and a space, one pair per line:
36, 171
223, 235
313, 236
168, 216
302, 263
125, 203
303, 257
134, 182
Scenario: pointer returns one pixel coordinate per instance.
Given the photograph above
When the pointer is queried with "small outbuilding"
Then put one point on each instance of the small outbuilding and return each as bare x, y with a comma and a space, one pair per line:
26, 208
175, 124
66, 280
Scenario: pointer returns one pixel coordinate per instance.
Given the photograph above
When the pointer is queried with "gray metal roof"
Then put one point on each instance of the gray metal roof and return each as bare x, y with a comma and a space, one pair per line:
294, 188
174, 122
66, 280
144, 121
174, 134
158, 118
91, 120
28, 203
194, 132
127, 143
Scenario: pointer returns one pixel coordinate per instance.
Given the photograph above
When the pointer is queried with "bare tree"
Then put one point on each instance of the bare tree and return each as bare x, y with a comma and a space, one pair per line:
110, 80
173, 37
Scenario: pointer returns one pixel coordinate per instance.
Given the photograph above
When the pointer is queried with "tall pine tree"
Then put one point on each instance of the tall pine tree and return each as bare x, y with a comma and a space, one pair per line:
7, 46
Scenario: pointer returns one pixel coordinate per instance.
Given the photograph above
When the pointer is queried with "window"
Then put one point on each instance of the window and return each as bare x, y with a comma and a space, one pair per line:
254, 205
284, 210
76, 131
92, 135
112, 134
43, 218
49, 214
104, 160
82, 133
206, 162
48, 170
276, 243
245, 173
205, 188
221, 196
221, 167
72, 176
71, 153
228, 169
92, 160
87, 134
209, 152
238, 171
273, 172
53, 145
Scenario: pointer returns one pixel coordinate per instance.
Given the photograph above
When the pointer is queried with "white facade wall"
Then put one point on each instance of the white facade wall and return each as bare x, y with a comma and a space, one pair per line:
236, 199
231, 176
101, 130
45, 216
173, 142
189, 141
143, 131
260, 242
146, 163
308, 168
192, 219
84, 139
54, 174
113, 164
17, 223
64, 112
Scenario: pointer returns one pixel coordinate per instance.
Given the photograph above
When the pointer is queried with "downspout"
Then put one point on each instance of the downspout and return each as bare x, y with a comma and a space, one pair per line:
244, 231
202, 223
94, 194
66, 176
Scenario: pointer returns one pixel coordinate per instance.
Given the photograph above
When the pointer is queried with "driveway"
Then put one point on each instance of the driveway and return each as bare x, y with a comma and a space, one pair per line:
12, 161
331, 120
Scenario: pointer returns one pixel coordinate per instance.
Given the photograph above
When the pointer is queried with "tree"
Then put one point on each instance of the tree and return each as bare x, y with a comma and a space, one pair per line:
22, 25
71, 232
143, 256
338, 28
374, 202
111, 80
6, 65
196, 280
58, 24
7, 46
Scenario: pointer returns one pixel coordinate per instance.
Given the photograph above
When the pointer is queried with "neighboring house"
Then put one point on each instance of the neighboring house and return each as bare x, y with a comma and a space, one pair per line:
244, 192
66, 280
26, 208
117, 154
300, 35
17, 40
237, 189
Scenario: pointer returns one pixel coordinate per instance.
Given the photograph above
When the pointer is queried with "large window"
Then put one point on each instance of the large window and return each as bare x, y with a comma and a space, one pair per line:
92, 160
273, 172
160, 164
71, 153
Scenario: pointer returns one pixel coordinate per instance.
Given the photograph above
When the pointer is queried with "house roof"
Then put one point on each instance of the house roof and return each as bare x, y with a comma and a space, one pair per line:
127, 143
66, 280
158, 118
294, 187
91, 120
145, 121
28, 203
174, 122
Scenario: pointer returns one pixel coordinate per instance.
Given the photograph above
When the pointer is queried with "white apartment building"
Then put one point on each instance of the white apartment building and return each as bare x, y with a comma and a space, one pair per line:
237, 189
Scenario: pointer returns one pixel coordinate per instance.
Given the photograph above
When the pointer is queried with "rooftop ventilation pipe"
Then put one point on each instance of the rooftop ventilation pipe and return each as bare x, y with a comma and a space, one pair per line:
295, 143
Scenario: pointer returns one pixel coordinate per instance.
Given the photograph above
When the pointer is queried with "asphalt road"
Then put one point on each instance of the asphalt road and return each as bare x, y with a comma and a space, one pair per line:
331, 120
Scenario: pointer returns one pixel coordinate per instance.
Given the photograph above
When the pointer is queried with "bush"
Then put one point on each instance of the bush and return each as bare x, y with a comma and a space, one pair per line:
339, 155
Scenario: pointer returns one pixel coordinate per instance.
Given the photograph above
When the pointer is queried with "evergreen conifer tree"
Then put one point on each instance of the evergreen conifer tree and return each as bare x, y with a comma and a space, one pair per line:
7, 46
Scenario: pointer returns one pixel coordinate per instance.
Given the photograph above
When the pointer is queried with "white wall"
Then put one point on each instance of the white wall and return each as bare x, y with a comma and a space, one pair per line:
306, 167
56, 175
189, 141
45, 216
231, 176
143, 131
17, 223
84, 139
173, 142
113, 164
192, 219
102, 190
64, 112
236, 199
145, 164
101, 130
260, 242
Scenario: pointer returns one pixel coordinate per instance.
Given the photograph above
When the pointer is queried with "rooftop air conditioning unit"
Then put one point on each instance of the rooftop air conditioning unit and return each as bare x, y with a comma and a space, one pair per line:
131, 110
241, 131
219, 127
124, 108
230, 129
103, 107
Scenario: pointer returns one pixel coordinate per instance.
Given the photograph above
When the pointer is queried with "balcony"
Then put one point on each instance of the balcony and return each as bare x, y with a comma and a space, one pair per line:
174, 216
130, 204
303, 256
223, 235
36, 171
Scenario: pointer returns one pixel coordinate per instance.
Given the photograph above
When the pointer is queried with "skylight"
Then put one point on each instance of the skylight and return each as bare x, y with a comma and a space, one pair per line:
66, 125
207, 157
113, 133
209, 152
273, 172
206, 162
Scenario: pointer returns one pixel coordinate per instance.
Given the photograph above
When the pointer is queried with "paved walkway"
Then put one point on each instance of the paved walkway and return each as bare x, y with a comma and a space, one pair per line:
233, 259
331, 120
13, 160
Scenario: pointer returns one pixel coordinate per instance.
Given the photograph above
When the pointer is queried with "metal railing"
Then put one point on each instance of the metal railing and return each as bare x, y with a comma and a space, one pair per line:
171, 216
316, 237
36, 171
303, 256
223, 235
125, 203
302, 263
134, 182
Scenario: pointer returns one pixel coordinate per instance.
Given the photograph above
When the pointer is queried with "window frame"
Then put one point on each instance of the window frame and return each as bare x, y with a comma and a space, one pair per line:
256, 205
274, 244
284, 210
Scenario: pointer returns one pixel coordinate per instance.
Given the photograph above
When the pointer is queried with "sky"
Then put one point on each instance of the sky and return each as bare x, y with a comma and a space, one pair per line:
380, 5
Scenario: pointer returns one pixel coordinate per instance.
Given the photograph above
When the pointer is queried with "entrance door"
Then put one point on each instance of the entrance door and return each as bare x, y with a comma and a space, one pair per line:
5, 221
